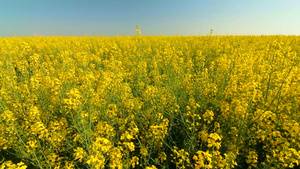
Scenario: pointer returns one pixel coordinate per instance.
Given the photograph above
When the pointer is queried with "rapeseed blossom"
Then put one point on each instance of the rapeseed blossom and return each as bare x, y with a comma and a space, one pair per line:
150, 102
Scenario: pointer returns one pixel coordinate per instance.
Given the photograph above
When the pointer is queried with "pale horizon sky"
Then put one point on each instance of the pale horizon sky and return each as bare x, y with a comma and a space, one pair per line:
155, 17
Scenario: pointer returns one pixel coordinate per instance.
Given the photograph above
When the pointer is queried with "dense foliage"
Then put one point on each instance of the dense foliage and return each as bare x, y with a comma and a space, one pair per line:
150, 102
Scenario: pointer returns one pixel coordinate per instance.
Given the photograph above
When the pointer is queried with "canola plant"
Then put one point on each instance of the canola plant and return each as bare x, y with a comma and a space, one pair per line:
150, 102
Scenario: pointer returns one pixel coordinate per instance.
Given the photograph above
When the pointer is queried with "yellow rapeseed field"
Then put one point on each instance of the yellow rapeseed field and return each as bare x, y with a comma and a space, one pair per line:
152, 102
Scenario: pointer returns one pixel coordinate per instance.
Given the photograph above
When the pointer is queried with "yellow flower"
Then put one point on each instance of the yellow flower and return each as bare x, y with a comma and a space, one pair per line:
151, 167
134, 161
32, 144
116, 158
11, 165
69, 165
130, 145
79, 154
252, 158
162, 156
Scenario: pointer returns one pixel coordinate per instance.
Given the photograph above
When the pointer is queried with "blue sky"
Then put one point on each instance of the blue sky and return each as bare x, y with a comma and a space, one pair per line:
155, 17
